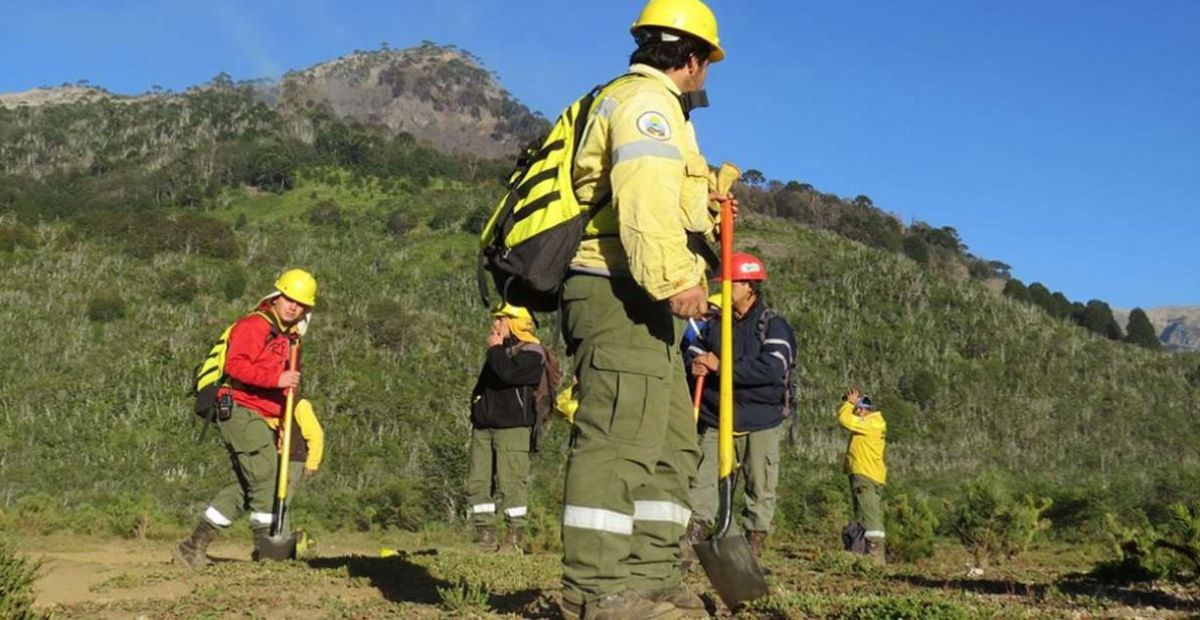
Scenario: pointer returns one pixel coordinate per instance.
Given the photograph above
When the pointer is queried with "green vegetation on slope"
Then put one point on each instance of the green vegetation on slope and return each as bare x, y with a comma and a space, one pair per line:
98, 435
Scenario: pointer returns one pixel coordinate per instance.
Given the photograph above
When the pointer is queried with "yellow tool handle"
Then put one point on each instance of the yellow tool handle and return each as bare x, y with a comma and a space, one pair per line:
725, 420
285, 448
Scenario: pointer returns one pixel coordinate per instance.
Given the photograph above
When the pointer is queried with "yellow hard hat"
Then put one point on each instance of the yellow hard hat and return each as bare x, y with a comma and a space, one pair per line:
688, 16
298, 285
511, 311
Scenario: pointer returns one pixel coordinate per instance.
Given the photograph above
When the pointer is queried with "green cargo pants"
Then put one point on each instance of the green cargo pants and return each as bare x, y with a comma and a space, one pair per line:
251, 446
633, 449
498, 475
757, 456
868, 509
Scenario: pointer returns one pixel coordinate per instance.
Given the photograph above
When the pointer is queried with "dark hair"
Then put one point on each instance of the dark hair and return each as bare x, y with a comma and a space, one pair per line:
756, 286
667, 55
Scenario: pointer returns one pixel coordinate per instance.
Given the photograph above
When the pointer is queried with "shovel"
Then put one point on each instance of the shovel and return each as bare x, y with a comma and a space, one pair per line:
281, 545
727, 559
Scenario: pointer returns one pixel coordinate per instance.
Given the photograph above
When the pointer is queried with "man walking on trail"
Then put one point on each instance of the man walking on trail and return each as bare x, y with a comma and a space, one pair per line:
253, 392
504, 423
763, 356
865, 466
633, 446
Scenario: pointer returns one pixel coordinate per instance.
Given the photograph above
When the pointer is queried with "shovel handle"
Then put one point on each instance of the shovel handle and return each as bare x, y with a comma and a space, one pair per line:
725, 419
697, 395
285, 447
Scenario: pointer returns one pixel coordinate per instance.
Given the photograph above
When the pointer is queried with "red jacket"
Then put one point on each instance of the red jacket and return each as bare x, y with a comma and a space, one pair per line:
254, 361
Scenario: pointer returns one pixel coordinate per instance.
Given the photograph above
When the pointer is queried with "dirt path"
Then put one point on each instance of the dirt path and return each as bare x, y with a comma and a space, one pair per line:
111, 571
440, 575
86, 578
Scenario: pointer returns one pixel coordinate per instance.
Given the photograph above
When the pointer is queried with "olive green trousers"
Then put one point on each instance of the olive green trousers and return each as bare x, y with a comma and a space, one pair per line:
254, 460
633, 449
757, 456
498, 476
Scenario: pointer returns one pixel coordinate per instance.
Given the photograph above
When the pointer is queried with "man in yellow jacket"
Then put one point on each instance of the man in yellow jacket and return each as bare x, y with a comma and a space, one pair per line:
864, 464
631, 282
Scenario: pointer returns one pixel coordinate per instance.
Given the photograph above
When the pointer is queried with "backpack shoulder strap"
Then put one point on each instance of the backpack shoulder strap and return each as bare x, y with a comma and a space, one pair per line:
276, 328
764, 321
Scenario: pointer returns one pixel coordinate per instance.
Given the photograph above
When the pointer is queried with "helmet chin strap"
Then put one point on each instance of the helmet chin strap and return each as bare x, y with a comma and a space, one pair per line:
693, 99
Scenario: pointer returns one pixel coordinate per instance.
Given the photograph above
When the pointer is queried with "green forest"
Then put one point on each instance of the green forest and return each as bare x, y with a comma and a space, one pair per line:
133, 232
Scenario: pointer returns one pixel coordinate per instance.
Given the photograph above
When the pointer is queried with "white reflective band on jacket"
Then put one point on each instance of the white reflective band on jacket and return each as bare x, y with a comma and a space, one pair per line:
645, 148
874, 534
516, 511
779, 341
661, 511
597, 519
261, 518
482, 508
215, 517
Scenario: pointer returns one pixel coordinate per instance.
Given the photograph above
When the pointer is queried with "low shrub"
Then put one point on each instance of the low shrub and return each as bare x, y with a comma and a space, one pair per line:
17, 575
911, 524
992, 523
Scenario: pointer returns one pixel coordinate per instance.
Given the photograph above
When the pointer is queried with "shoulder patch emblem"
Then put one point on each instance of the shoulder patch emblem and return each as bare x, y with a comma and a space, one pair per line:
654, 125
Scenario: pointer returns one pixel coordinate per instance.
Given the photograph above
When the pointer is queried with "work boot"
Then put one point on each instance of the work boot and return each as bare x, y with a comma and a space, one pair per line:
876, 549
758, 540
622, 605
686, 601
514, 542
687, 555
194, 549
485, 538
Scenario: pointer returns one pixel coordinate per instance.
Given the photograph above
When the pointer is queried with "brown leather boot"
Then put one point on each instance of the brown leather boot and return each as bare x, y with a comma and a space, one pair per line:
622, 605
758, 541
686, 601
877, 550
485, 538
193, 551
694, 534
514, 542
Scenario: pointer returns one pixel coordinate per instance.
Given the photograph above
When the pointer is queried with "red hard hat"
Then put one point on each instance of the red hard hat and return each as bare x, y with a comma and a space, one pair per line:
747, 268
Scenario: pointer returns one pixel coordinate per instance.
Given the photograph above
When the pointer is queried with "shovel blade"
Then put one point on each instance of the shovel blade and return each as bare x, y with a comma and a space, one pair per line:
277, 548
732, 569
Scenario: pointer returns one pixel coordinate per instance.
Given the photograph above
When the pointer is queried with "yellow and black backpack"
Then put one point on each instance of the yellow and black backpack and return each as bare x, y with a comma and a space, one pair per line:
535, 229
209, 376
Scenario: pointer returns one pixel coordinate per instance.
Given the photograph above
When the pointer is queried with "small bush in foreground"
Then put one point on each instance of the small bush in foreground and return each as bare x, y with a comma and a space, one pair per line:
1170, 550
993, 524
17, 575
911, 525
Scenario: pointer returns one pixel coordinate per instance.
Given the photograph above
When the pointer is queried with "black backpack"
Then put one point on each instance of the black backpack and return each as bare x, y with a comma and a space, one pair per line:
789, 401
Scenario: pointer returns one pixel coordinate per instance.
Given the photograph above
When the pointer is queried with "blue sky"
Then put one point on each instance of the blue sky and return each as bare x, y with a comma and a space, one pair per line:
1062, 137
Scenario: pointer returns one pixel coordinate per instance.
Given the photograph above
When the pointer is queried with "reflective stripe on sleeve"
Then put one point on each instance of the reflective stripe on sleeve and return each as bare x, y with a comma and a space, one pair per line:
645, 148
874, 534
696, 350
261, 518
215, 517
483, 508
597, 519
606, 107
516, 511
779, 356
779, 341
661, 511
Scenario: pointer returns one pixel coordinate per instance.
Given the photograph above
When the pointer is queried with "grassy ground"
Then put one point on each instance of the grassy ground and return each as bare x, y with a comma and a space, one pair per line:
439, 575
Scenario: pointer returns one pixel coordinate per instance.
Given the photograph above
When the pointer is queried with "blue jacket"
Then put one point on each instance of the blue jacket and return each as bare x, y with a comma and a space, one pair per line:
760, 370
